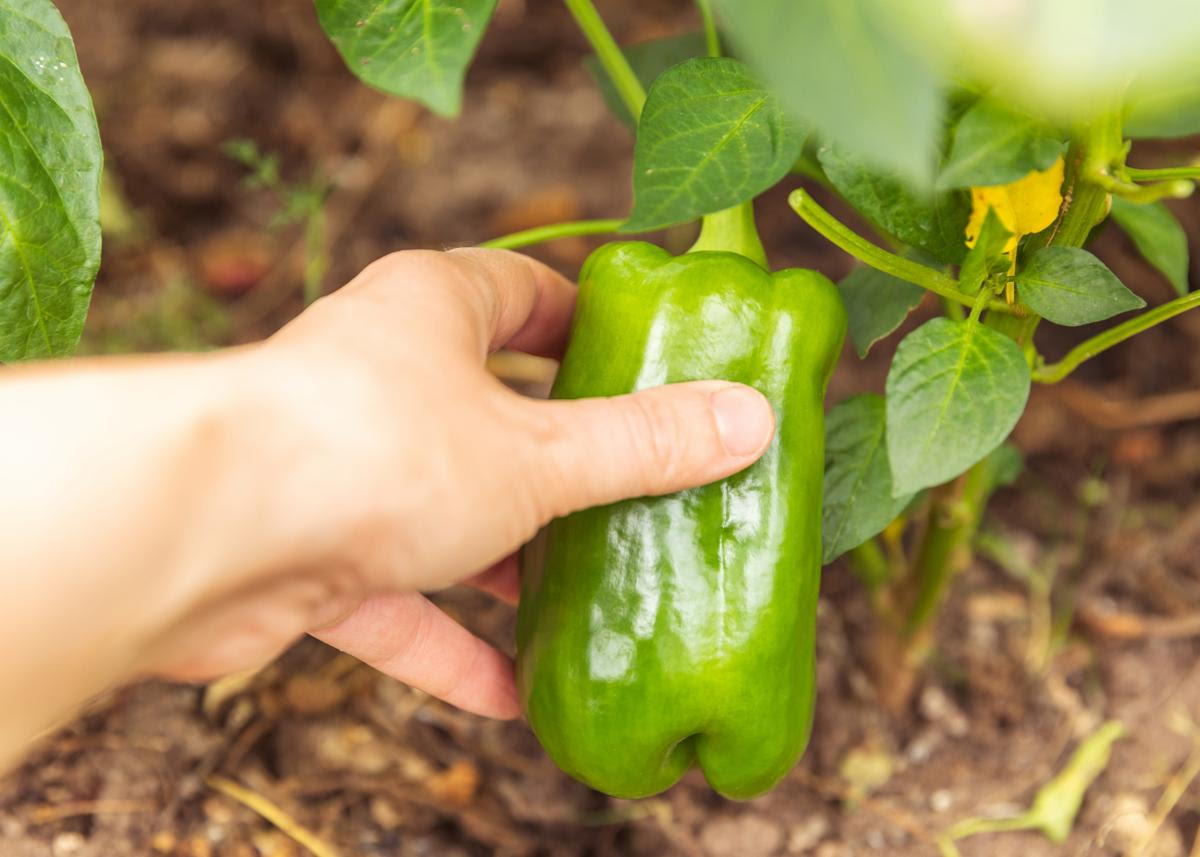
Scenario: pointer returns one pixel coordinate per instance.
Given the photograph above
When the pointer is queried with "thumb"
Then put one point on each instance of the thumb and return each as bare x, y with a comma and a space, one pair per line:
652, 442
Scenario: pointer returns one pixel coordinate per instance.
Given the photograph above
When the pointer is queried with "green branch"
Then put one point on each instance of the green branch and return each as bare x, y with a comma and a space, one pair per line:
870, 254
712, 41
1139, 193
539, 234
1052, 373
610, 55
1164, 173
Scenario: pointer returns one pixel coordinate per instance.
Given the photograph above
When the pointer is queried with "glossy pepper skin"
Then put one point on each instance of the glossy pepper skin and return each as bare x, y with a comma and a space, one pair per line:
658, 633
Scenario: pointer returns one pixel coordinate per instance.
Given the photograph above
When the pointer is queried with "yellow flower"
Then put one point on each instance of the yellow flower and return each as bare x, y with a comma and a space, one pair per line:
1025, 206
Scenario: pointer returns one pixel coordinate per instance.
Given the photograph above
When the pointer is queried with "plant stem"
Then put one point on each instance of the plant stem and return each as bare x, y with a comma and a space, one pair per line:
1054, 372
870, 254
1085, 204
1163, 173
732, 230
316, 255
870, 564
712, 39
610, 55
539, 234
954, 515
1173, 189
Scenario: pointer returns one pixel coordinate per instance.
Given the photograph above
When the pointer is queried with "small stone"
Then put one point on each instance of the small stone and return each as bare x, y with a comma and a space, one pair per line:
67, 843
831, 849
941, 800
805, 836
922, 747
1130, 825
937, 707
741, 836
384, 813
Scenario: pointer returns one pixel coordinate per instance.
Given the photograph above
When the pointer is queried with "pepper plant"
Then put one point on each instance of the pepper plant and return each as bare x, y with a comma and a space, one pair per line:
982, 148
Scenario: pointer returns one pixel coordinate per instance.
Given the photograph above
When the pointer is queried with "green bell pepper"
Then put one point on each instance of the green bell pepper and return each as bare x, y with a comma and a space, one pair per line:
658, 633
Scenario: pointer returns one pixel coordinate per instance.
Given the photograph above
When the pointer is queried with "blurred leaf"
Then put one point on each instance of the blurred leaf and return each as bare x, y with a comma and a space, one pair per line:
1167, 110
954, 392
858, 479
846, 71
1070, 286
987, 253
417, 49
648, 60
1158, 236
1005, 465
1070, 59
994, 144
51, 163
710, 136
1057, 803
876, 304
930, 221
118, 221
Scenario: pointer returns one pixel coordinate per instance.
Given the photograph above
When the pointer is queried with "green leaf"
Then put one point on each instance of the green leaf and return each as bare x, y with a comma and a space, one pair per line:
1057, 803
1005, 464
876, 304
1158, 236
710, 137
845, 69
954, 392
648, 60
930, 221
986, 256
858, 479
50, 166
1067, 58
994, 144
417, 49
1070, 286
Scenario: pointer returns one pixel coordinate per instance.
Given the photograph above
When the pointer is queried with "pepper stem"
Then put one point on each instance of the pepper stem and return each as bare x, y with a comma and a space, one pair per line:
733, 231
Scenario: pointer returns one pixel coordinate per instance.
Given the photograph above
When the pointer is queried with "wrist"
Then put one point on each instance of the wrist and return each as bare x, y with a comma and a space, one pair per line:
263, 547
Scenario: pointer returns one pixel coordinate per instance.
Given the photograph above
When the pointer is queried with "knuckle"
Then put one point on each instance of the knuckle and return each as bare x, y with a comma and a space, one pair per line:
550, 451
659, 437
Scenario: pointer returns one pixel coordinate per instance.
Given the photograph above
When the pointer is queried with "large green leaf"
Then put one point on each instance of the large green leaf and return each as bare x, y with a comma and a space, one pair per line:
846, 70
710, 136
929, 221
648, 60
417, 49
50, 165
1158, 236
994, 144
876, 303
858, 480
1070, 286
954, 392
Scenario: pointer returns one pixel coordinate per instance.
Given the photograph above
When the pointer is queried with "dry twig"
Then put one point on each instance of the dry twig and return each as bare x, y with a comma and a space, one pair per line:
272, 813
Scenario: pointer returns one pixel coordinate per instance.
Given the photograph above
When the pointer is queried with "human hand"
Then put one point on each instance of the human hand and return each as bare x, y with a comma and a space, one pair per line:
399, 464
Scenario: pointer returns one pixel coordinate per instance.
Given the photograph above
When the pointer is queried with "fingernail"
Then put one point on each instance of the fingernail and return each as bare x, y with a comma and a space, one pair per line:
744, 418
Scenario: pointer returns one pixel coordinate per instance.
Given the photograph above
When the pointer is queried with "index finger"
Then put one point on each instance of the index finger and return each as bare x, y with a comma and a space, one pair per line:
529, 304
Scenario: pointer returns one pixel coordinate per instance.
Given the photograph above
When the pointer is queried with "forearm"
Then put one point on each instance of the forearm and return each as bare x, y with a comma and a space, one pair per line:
130, 492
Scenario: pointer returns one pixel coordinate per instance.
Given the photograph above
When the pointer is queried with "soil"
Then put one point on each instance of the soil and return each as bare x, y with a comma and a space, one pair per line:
1092, 615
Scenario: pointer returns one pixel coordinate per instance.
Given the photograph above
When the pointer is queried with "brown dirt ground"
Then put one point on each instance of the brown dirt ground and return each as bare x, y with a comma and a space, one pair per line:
1106, 504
